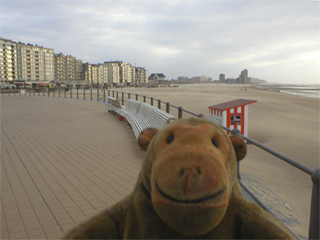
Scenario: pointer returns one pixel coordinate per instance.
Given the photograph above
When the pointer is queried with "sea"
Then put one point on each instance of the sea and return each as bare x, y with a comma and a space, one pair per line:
305, 90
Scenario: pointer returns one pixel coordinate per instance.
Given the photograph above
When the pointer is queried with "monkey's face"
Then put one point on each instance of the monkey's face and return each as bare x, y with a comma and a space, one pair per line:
190, 177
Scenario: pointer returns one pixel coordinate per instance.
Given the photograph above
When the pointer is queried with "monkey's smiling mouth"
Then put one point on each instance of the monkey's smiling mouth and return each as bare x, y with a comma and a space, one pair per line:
189, 201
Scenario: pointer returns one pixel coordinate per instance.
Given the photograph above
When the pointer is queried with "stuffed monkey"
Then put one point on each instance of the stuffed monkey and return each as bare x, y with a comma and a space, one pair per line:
187, 188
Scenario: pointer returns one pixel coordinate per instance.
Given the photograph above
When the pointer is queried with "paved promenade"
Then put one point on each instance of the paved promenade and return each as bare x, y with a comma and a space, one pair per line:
62, 161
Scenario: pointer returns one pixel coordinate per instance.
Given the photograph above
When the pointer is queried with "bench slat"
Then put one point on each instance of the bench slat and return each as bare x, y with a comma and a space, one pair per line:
140, 115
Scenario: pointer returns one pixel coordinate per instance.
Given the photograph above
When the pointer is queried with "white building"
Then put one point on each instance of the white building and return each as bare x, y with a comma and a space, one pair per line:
35, 63
8, 60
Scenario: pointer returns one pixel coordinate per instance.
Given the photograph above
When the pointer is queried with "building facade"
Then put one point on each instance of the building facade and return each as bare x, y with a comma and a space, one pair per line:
67, 68
27, 62
141, 76
243, 77
222, 78
8, 60
35, 63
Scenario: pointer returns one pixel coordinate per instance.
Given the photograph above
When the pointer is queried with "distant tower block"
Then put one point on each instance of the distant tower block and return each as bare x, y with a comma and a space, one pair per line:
233, 114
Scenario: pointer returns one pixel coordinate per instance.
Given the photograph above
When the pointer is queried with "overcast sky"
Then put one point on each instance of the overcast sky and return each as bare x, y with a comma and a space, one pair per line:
278, 41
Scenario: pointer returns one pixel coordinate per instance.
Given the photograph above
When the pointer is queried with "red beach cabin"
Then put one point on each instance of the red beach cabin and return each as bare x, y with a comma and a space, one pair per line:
233, 114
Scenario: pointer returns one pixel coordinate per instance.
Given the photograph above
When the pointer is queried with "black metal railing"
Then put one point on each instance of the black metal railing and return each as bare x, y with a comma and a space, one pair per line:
180, 112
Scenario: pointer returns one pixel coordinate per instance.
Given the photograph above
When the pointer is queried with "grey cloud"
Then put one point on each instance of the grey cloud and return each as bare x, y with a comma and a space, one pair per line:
175, 37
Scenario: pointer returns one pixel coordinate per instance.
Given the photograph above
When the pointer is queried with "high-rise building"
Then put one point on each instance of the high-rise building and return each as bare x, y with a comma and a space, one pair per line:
243, 77
104, 80
20, 61
60, 67
8, 60
92, 73
127, 76
141, 75
86, 72
222, 78
35, 63
113, 73
95, 74
67, 68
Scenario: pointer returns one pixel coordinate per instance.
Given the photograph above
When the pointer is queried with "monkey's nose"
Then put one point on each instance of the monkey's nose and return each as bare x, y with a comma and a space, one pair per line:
188, 171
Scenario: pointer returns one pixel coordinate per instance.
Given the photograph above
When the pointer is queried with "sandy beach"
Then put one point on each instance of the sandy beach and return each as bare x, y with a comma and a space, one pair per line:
286, 123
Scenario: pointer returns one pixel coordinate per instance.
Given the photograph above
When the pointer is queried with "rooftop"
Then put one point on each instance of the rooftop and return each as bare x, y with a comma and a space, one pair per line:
231, 104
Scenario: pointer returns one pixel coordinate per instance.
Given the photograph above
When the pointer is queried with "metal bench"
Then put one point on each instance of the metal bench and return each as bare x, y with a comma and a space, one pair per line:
131, 108
141, 116
113, 105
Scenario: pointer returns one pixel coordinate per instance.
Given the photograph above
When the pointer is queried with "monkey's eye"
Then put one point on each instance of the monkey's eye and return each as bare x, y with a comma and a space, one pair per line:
170, 138
215, 143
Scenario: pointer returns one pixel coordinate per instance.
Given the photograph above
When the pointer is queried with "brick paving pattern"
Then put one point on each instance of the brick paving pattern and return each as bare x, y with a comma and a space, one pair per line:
62, 161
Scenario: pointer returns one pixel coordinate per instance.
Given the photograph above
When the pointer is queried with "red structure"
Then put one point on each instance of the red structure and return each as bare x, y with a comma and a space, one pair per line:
233, 114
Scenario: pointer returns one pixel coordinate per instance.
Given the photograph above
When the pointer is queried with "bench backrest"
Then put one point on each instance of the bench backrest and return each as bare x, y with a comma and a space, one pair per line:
115, 102
133, 106
158, 117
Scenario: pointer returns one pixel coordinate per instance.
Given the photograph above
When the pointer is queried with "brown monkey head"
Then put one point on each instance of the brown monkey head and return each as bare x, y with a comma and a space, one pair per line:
190, 171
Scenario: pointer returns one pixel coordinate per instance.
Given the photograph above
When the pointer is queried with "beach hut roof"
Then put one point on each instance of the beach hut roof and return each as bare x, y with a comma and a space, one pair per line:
232, 104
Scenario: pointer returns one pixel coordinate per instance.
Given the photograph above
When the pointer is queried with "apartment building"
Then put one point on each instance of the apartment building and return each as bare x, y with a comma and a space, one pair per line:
67, 68
35, 63
8, 60
141, 75
121, 73
243, 77
86, 72
104, 78
92, 73
95, 74
20, 61
113, 73
60, 67
127, 73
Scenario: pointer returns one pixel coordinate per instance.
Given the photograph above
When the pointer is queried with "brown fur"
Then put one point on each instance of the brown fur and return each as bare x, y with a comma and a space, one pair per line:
187, 188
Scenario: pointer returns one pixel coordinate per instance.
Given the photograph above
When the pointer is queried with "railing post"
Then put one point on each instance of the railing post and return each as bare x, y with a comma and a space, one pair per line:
104, 95
180, 112
144, 99
108, 92
90, 93
113, 93
65, 93
137, 97
117, 95
59, 91
77, 93
168, 107
314, 215
129, 95
159, 103
70, 92
151, 101
122, 96
84, 93
98, 94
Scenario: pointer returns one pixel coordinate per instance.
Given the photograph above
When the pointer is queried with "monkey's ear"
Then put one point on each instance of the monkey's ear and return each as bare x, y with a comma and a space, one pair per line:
240, 147
145, 137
